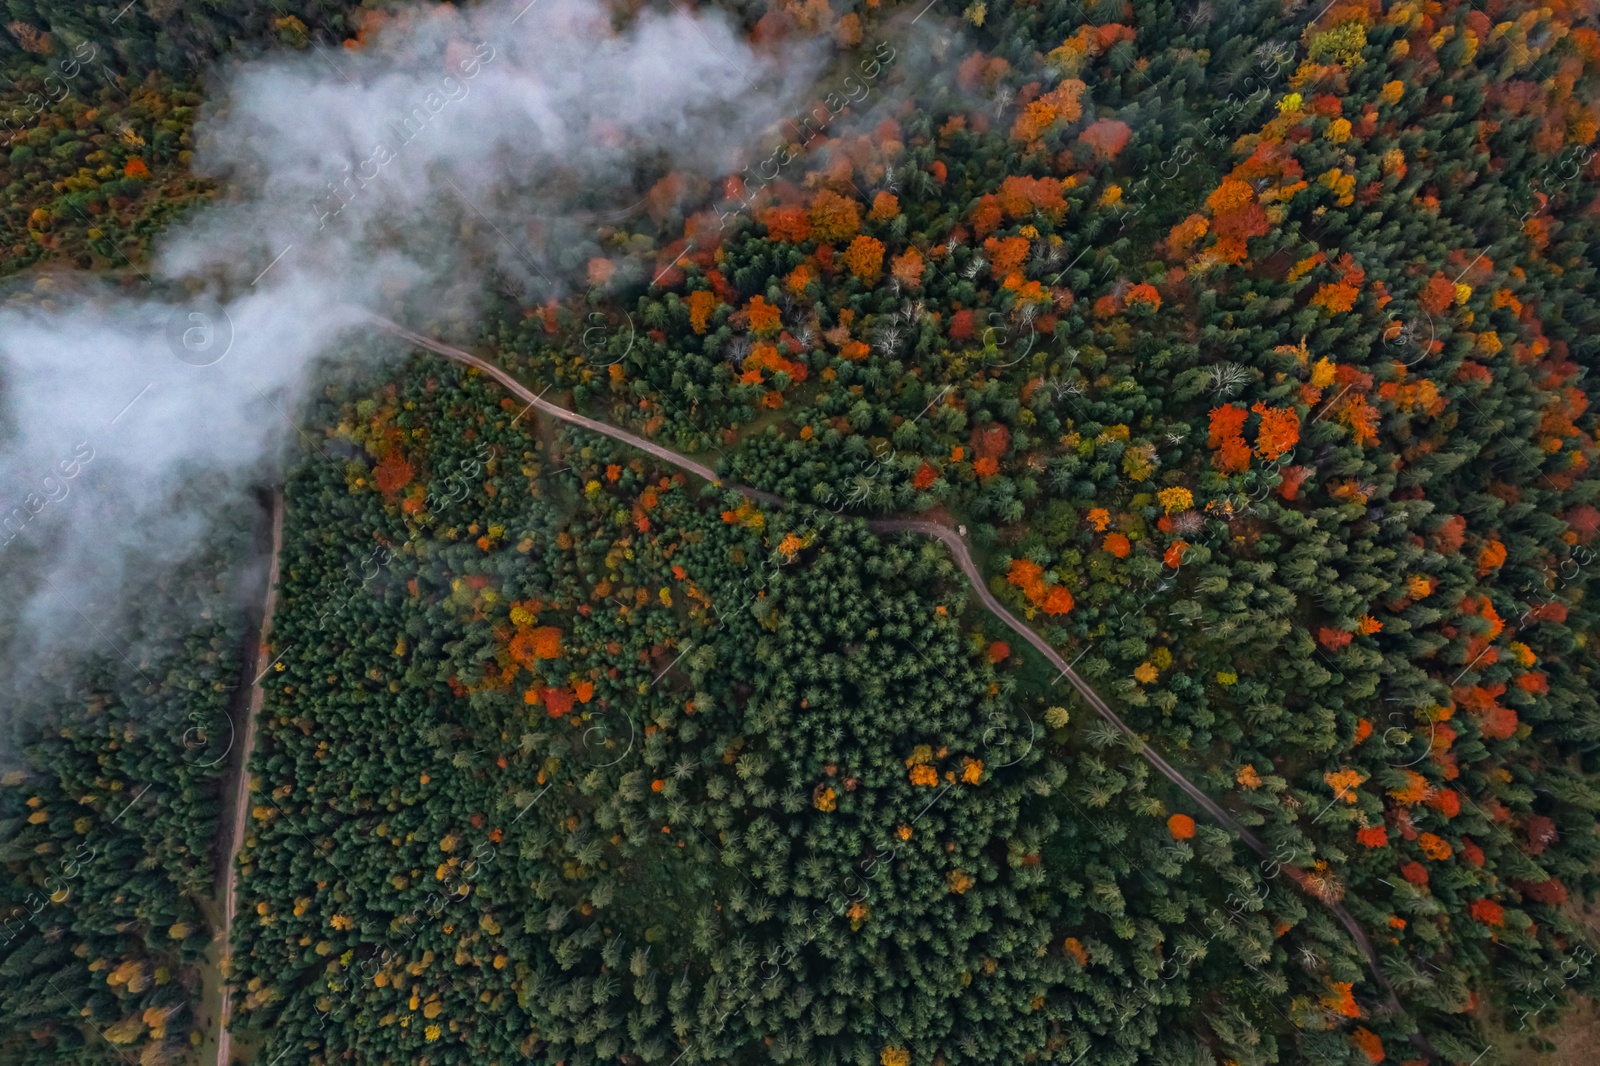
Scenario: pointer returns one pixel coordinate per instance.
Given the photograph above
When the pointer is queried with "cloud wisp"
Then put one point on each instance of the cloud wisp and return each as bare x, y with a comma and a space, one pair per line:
393, 177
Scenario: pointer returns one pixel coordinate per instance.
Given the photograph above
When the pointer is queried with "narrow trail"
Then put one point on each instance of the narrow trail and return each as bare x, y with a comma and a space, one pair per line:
963, 556
952, 540
241, 795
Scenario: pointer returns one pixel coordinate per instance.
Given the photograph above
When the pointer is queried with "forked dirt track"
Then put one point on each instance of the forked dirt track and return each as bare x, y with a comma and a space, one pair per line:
963, 556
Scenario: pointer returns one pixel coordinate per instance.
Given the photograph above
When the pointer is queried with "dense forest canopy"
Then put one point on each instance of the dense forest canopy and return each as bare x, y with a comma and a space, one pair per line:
1247, 346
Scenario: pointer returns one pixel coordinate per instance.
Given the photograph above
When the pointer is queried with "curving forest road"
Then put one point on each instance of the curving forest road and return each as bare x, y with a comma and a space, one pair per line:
952, 540
241, 794
963, 556
958, 548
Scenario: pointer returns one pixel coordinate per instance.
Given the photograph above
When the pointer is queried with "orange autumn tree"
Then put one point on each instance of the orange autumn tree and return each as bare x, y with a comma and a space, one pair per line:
1020, 196
864, 258
1279, 431
907, 269
1005, 254
701, 303
1415, 789
834, 217
786, 224
1029, 577
800, 278
529, 645
987, 215
765, 356
1354, 409
1060, 104
1344, 783
1143, 297
765, 319
1487, 911
557, 701
1227, 439
1495, 721
1368, 1043
1437, 295
1236, 216
1182, 237
989, 444
1341, 999
1450, 536
392, 473
1058, 600
1434, 847
1106, 138
1334, 639
1339, 296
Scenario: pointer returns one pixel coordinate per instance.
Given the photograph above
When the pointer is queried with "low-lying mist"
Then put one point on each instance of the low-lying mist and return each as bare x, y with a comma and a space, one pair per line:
453, 143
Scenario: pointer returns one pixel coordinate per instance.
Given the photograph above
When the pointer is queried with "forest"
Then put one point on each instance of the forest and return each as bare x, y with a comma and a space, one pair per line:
1246, 344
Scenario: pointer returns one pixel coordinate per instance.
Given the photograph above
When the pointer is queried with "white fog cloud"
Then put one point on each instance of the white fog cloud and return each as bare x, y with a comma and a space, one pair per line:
351, 178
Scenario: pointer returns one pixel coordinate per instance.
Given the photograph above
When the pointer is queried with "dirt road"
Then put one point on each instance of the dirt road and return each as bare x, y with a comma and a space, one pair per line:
241, 796
958, 548
665, 454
